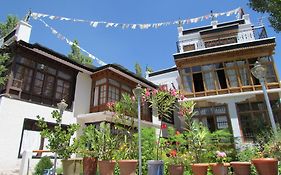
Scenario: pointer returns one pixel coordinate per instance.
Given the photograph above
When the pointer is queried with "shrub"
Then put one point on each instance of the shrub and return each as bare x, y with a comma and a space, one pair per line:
44, 163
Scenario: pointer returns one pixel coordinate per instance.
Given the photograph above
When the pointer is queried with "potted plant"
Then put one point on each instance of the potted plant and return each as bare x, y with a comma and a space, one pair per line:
198, 141
266, 161
60, 141
244, 155
124, 113
220, 168
175, 149
88, 147
107, 143
164, 102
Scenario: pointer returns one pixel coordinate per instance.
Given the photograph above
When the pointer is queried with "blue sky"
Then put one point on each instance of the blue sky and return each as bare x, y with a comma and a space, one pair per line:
152, 47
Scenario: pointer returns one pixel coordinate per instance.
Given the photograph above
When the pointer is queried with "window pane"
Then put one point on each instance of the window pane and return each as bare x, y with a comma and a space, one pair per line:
209, 76
231, 74
49, 86
243, 71
113, 82
101, 81
243, 107
188, 83
64, 75
222, 122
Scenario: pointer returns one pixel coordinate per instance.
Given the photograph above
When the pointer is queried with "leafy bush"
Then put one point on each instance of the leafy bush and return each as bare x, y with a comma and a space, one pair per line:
44, 163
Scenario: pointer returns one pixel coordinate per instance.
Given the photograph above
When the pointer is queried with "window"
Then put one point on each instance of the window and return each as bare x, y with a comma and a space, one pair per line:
213, 117
44, 83
234, 76
253, 118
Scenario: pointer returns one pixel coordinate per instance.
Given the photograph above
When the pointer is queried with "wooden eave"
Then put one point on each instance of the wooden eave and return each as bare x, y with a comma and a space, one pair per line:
258, 48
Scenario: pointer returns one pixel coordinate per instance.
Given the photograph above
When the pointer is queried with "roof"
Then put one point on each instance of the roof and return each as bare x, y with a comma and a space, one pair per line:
223, 48
91, 69
163, 71
198, 29
56, 54
126, 71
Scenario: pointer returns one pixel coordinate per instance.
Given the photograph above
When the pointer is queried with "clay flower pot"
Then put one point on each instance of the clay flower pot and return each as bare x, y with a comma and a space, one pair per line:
219, 168
106, 167
266, 166
90, 165
199, 168
128, 167
176, 169
241, 168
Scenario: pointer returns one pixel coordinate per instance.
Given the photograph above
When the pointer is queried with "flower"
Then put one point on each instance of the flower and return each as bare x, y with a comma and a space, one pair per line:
173, 92
220, 157
173, 153
178, 133
147, 93
163, 126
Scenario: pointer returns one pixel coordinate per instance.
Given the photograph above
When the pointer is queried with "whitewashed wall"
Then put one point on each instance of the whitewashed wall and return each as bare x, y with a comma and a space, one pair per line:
166, 78
12, 114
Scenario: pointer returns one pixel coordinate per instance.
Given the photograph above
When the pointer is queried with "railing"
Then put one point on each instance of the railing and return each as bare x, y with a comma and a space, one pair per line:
223, 39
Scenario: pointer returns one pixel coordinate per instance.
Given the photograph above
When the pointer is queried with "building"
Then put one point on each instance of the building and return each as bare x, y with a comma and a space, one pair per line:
213, 68
39, 78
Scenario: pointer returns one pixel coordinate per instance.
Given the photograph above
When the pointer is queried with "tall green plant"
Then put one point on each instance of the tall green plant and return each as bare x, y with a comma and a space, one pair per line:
76, 55
60, 140
107, 143
197, 141
88, 142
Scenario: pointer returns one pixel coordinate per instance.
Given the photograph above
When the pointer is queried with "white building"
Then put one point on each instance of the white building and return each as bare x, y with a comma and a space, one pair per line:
38, 79
213, 66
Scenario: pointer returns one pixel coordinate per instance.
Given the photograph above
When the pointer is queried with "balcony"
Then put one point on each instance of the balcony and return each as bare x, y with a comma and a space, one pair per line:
221, 39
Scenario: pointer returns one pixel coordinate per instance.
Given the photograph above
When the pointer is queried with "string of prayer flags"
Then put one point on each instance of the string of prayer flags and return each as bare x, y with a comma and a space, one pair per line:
62, 37
94, 24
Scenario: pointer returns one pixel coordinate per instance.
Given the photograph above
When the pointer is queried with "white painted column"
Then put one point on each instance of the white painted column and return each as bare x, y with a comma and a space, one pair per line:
234, 122
25, 162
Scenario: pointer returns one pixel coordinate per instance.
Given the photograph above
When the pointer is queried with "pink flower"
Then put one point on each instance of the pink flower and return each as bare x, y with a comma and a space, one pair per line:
147, 93
173, 92
133, 98
181, 96
221, 154
163, 88
154, 92
178, 133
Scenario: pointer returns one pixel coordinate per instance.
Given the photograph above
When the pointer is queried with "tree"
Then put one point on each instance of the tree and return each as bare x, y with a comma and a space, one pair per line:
3, 58
272, 7
5, 28
8, 26
138, 70
76, 55
149, 69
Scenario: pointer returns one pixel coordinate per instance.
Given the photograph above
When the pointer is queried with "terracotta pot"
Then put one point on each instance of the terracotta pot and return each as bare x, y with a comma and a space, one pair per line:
90, 165
128, 167
199, 168
72, 166
241, 168
106, 167
219, 168
176, 169
266, 166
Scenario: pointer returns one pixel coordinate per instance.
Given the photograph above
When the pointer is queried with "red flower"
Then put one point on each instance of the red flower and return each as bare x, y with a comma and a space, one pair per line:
173, 153
163, 126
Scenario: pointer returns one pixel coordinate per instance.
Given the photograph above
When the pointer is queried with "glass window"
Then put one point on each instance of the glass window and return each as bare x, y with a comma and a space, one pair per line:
49, 86
209, 76
113, 94
102, 99
62, 90
38, 83
114, 82
101, 81
188, 83
231, 74
222, 122
64, 75
243, 73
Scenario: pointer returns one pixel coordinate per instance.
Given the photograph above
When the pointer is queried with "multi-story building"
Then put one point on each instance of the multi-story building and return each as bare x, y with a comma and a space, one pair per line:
39, 78
213, 68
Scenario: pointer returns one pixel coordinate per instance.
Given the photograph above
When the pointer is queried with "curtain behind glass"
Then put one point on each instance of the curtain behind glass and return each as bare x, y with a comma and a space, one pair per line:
209, 76
231, 74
